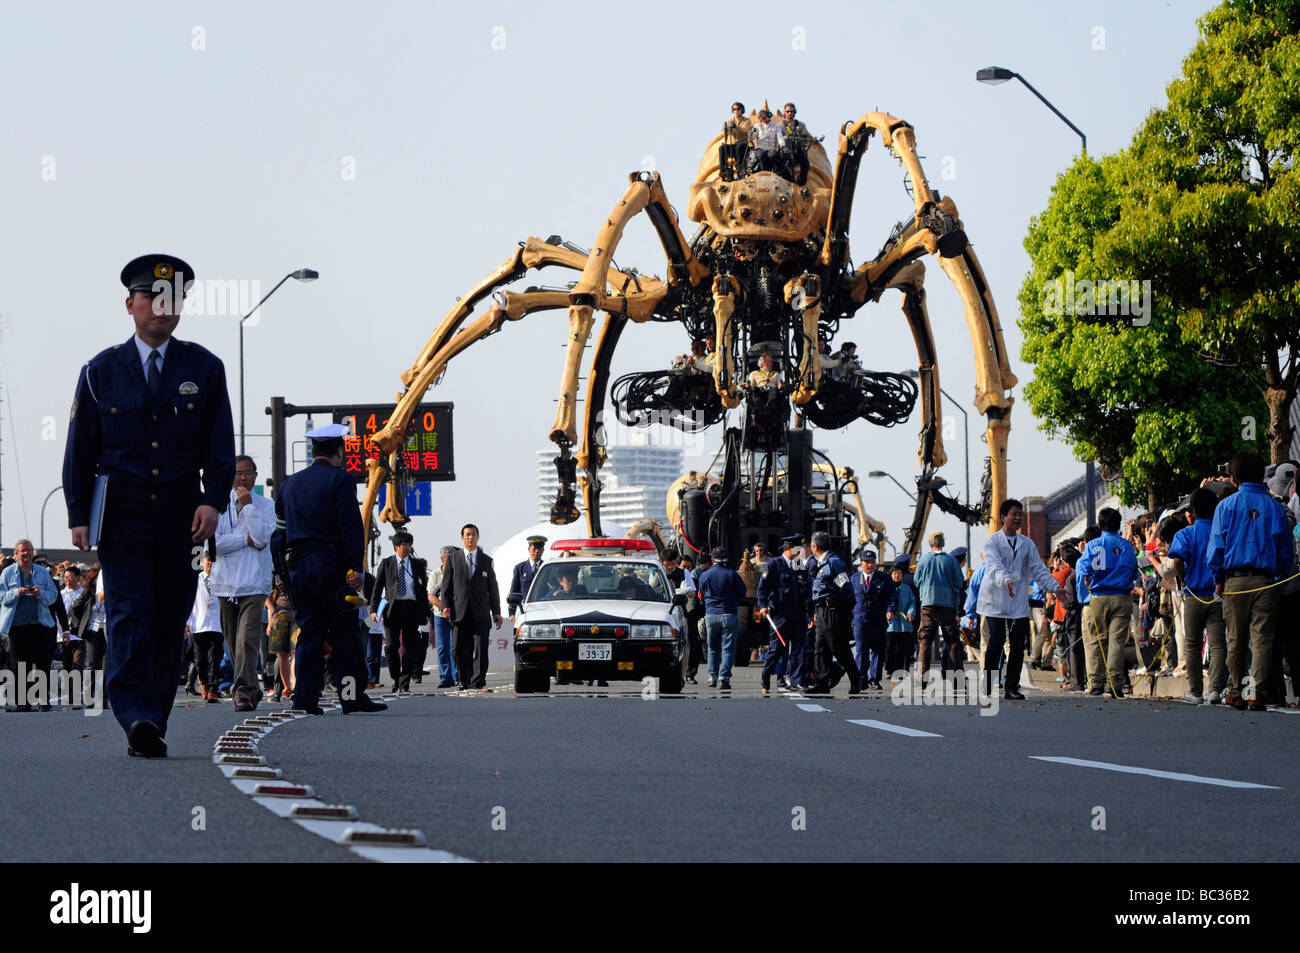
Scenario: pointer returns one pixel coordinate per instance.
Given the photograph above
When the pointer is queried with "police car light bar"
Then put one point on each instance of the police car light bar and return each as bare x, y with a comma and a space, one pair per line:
571, 545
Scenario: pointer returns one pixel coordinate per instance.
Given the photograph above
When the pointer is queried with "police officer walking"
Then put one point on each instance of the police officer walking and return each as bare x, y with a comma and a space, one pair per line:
781, 600
874, 597
149, 416
320, 539
832, 600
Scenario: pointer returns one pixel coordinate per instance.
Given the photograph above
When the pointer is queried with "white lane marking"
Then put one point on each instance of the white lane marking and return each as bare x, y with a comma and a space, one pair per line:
897, 729
1152, 772
809, 706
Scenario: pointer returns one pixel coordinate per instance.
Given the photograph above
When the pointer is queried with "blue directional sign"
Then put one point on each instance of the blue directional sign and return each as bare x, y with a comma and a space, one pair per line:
419, 499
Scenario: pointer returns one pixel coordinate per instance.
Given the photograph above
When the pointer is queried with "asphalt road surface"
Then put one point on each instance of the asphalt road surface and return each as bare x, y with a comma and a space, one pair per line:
587, 774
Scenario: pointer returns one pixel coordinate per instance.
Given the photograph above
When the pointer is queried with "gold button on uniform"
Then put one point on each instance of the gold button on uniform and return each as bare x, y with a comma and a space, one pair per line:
154, 472
154, 444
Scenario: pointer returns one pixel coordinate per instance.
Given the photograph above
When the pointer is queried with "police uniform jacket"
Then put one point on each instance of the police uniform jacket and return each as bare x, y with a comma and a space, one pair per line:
873, 599
781, 592
317, 510
520, 580
151, 448
831, 583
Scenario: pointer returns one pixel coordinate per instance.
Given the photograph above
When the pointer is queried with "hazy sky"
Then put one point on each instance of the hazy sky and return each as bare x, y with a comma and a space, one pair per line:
402, 149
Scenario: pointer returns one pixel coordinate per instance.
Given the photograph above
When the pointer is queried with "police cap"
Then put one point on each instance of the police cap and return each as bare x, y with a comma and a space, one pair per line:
328, 432
795, 539
867, 555
719, 554
144, 273
536, 540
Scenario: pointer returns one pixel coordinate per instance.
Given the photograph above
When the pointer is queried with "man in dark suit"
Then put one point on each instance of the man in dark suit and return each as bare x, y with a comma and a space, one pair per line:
405, 580
470, 600
151, 415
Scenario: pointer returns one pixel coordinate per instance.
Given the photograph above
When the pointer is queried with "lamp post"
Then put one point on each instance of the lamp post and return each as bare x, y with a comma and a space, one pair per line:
302, 274
965, 425
47, 499
996, 76
877, 474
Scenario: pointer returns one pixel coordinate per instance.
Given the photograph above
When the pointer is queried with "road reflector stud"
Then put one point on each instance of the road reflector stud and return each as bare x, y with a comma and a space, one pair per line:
284, 790
402, 838
325, 812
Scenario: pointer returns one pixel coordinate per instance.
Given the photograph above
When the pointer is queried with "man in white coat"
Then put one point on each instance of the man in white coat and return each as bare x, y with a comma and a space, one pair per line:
241, 578
1010, 562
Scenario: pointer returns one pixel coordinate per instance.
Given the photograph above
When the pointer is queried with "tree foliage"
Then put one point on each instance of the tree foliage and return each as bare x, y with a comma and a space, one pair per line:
1210, 204
1205, 205
1124, 390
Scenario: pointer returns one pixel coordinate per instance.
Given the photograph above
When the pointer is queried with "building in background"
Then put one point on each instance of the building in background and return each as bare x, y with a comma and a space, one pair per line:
636, 478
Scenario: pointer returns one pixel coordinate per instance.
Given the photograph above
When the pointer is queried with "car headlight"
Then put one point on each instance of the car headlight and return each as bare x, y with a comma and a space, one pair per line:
651, 631
550, 630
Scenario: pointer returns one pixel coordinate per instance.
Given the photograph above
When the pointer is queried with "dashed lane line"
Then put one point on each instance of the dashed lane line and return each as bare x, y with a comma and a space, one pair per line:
1152, 772
897, 729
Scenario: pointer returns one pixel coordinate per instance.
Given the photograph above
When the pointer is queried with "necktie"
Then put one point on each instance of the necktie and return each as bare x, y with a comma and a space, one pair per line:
469, 561
402, 591
155, 375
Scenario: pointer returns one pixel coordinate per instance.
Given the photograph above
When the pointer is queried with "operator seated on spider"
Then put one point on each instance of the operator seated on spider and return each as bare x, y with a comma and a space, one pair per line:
766, 146
766, 374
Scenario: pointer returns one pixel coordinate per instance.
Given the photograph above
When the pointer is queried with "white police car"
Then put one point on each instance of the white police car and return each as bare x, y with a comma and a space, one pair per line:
605, 609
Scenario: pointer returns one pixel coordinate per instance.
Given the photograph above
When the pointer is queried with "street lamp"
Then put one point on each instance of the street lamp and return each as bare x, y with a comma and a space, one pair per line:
965, 424
47, 499
996, 76
302, 274
877, 474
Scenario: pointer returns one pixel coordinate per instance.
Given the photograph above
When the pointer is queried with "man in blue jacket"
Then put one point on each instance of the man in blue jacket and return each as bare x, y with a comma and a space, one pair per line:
721, 590
939, 581
1249, 549
1109, 574
1202, 609
874, 597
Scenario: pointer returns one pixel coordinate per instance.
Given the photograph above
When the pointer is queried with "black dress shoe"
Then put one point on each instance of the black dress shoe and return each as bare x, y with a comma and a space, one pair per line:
1013, 695
366, 704
144, 740
312, 709
446, 684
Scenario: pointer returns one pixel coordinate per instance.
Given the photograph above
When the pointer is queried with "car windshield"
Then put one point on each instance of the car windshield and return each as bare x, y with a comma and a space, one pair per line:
569, 579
